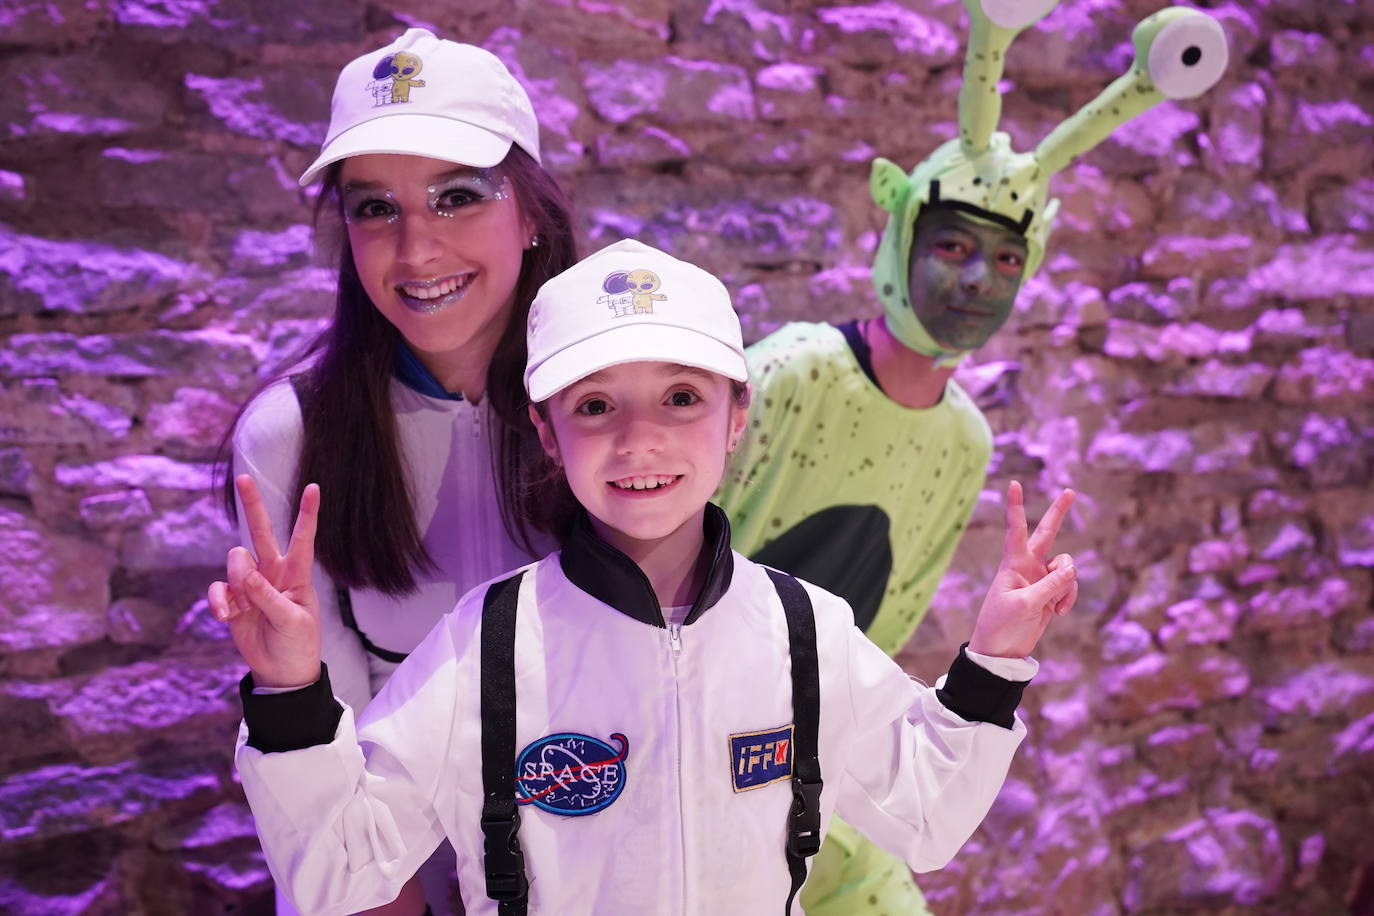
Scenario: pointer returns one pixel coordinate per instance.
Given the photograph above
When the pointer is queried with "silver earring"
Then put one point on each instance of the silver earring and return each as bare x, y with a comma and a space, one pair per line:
534, 241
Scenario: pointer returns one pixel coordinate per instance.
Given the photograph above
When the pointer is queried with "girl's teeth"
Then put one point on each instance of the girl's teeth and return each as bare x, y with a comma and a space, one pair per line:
442, 288
645, 483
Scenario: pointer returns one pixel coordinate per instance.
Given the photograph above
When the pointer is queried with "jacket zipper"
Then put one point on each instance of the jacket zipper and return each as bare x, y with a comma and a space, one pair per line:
675, 643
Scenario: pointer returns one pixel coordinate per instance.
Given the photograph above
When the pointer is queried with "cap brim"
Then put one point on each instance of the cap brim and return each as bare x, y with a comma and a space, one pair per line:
414, 135
647, 342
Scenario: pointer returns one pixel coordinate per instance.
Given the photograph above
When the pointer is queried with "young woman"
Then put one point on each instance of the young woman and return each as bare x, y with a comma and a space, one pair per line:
409, 408
647, 673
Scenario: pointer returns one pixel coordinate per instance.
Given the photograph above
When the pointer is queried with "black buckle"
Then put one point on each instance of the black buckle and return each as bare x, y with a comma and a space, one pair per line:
804, 820
504, 860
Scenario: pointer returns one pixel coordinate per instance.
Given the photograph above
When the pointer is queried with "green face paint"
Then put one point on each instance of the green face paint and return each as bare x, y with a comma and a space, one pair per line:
1180, 53
964, 277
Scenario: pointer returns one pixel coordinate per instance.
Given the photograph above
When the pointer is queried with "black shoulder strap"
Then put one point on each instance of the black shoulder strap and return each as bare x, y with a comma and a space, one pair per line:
504, 860
804, 820
345, 600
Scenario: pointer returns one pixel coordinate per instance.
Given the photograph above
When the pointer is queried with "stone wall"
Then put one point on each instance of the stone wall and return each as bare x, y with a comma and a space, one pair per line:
1197, 359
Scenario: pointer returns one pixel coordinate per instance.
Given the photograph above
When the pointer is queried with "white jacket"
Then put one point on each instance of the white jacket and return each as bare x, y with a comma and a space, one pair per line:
346, 821
446, 448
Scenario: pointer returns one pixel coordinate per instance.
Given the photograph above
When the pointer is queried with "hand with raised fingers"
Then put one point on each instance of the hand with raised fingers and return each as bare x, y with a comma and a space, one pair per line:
269, 601
1028, 589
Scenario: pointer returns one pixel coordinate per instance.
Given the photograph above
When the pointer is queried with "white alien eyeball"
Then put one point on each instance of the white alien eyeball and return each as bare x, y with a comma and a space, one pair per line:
1187, 57
1016, 14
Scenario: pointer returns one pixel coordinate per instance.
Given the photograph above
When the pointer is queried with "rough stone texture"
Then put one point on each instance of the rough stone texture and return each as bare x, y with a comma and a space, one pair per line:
40, 274
200, 355
240, 24
1228, 857
16, 473
62, 799
55, 587
675, 91
198, 535
193, 419
229, 185
258, 108
76, 95
109, 714
115, 510
38, 412
152, 471
14, 191
87, 884
1196, 358
873, 33
138, 621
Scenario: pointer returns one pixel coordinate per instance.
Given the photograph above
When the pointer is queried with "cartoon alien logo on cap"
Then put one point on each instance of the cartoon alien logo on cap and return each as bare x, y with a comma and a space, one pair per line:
394, 77
631, 292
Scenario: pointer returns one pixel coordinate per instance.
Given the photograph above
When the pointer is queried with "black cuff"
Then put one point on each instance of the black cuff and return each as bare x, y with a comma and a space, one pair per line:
292, 720
978, 695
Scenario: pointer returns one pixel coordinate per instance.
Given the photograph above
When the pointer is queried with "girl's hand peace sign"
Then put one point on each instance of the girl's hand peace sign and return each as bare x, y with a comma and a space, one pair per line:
269, 601
1027, 589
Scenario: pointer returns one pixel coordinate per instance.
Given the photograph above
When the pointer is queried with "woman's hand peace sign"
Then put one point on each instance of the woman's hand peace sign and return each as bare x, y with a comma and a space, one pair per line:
1027, 588
269, 601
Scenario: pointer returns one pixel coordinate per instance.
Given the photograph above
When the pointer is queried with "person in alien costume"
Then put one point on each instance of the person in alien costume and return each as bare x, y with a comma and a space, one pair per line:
864, 457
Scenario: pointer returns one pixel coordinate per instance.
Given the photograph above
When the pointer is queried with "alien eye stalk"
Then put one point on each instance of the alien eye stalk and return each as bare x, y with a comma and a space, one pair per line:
990, 34
1179, 53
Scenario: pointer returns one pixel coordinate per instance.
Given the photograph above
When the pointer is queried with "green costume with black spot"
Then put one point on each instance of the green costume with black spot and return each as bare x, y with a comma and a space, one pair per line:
837, 479
840, 485
849, 489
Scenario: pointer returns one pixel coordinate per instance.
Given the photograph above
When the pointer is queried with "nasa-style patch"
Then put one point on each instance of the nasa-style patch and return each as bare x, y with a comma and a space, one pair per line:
571, 774
760, 758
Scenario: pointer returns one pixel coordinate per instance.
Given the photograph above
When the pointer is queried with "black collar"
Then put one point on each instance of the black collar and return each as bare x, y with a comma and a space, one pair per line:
609, 576
858, 345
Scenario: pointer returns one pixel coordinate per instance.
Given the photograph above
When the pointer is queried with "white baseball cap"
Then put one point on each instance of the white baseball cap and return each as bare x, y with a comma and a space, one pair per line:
425, 96
630, 303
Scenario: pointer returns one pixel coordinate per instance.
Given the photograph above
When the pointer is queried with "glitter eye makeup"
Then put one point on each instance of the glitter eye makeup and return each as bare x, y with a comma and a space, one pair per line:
369, 208
372, 208
447, 197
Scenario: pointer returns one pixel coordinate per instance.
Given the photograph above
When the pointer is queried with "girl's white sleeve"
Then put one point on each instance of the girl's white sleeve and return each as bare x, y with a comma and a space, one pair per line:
267, 446
344, 824
920, 778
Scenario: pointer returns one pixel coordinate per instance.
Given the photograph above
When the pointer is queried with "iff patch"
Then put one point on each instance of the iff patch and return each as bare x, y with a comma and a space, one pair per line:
760, 758
571, 774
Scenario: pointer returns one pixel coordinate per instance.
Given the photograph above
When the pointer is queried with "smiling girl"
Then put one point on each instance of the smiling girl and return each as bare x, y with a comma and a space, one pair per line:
644, 721
410, 404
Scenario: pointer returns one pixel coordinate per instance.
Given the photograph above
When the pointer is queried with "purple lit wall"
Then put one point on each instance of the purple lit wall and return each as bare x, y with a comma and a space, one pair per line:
1197, 359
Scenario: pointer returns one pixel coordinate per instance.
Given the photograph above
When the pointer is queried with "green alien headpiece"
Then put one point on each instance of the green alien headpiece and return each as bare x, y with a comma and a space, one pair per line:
1180, 53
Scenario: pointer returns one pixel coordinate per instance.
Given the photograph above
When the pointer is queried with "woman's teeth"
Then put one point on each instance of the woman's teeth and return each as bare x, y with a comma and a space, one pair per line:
434, 289
650, 482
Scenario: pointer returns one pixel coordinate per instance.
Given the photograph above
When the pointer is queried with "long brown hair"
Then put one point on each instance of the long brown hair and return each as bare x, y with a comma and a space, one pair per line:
367, 536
